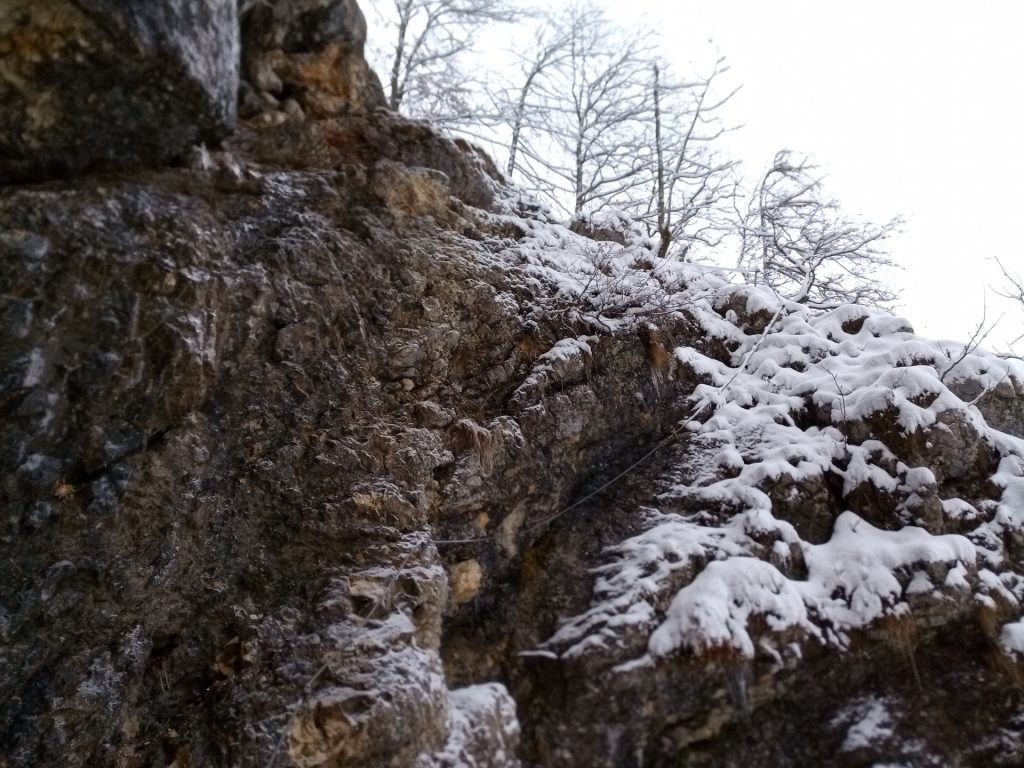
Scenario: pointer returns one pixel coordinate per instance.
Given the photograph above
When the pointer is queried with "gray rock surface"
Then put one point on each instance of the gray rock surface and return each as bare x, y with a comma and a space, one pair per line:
1002, 405
110, 85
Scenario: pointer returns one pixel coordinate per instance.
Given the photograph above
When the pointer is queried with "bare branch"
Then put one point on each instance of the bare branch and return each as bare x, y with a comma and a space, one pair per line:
977, 339
429, 38
806, 248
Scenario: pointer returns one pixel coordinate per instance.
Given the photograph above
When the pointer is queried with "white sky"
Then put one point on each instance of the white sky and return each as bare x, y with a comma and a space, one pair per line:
913, 108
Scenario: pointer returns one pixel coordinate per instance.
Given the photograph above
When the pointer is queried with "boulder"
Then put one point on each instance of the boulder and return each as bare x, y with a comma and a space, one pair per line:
305, 53
104, 84
1001, 405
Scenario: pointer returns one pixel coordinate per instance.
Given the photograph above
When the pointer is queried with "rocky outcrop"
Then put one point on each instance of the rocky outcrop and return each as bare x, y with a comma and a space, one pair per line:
231, 423
95, 84
150, 322
326, 450
791, 553
305, 57
377, 143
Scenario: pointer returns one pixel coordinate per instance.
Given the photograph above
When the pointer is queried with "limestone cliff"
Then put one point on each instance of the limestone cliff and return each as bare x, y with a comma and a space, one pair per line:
321, 447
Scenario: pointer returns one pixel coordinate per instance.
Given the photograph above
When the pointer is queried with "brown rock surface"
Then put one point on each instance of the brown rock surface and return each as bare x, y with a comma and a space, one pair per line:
310, 51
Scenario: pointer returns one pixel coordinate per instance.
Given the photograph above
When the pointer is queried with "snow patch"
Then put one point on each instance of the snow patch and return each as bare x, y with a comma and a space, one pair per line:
873, 727
1011, 638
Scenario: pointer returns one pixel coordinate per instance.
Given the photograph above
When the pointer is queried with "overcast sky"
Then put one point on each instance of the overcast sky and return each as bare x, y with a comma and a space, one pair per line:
913, 108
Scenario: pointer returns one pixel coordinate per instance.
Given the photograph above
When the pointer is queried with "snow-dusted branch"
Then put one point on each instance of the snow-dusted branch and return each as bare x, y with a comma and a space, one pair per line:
806, 247
428, 39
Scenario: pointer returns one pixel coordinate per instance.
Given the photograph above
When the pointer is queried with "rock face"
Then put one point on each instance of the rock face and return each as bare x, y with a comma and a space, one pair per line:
305, 55
328, 450
107, 84
231, 422
143, 510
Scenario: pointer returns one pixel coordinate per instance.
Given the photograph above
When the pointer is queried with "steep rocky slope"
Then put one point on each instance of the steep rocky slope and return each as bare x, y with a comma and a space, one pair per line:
325, 448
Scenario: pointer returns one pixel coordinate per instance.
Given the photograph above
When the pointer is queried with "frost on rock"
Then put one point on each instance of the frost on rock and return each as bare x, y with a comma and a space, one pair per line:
483, 731
567, 362
387, 705
601, 284
870, 724
379, 689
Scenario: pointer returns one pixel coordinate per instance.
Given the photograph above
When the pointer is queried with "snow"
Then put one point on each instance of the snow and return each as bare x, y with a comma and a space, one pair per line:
567, 349
1011, 506
958, 509
852, 581
713, 611
860, 562
1006, 587
873, 726
729, 572
863, 469
1011, 638
920, 584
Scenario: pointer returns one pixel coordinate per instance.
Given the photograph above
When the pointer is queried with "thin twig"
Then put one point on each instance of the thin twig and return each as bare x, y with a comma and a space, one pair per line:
976, 340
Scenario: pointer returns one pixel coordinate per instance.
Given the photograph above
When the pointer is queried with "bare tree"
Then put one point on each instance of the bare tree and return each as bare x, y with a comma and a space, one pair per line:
805, 247
549, 50
429, 38
594, 123
691, 179
580, 113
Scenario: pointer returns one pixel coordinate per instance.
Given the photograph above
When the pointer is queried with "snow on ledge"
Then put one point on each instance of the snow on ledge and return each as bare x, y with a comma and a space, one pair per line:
731, 571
